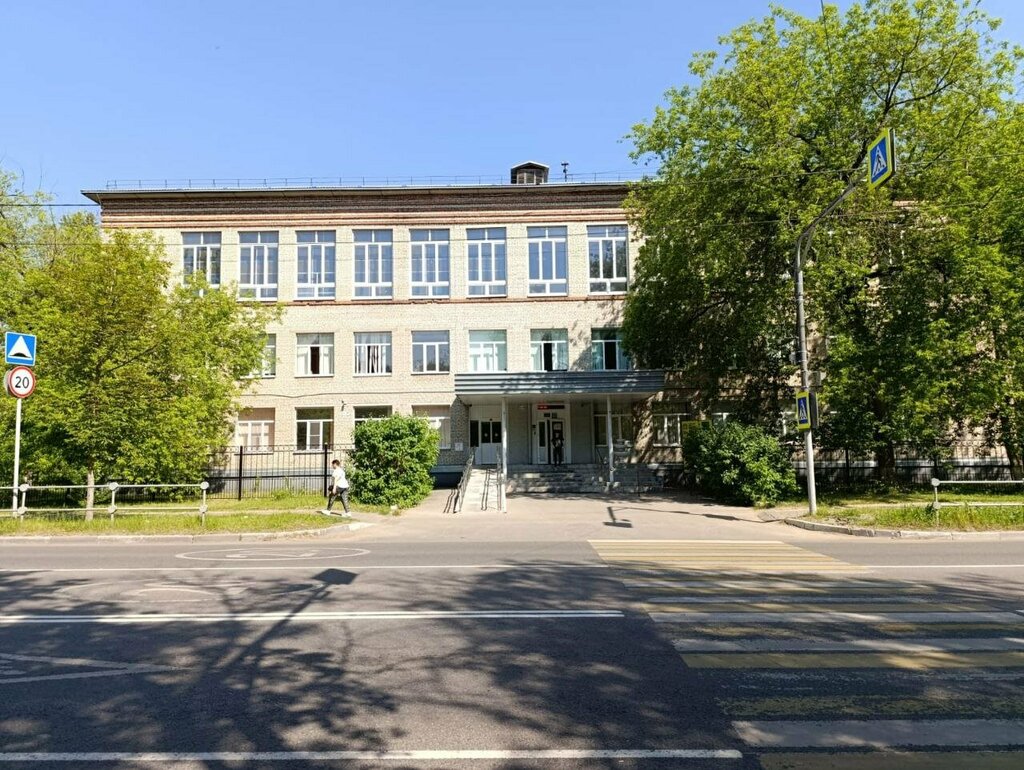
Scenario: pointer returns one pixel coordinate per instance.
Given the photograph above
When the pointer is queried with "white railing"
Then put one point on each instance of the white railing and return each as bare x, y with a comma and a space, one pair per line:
113, 488
936, 504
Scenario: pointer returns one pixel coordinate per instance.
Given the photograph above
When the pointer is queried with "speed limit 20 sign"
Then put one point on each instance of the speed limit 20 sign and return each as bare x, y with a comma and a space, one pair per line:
20, 382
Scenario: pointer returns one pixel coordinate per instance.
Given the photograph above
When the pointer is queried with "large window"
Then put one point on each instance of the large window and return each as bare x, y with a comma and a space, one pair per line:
257, 265
548, 269
315, 259
313, 428
373, 264
549, 349
486, 260
430, 352
267, 367
608, 258
314, 355
622, 428
488, 351
373, 353
255, 429
201, 256
430, 263
367, 413
440, 419
670, 427
606, 347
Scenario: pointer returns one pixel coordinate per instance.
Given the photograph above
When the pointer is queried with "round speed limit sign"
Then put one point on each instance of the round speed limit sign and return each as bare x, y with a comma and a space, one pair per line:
20, 382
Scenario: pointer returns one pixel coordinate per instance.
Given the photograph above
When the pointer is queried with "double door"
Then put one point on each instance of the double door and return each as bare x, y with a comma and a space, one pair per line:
550, 439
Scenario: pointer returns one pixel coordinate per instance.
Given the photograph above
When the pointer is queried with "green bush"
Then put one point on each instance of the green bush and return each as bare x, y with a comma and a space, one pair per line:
392, 461
738, 463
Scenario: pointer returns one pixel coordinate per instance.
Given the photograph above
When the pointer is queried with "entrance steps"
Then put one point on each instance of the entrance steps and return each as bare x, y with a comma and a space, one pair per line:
581, 479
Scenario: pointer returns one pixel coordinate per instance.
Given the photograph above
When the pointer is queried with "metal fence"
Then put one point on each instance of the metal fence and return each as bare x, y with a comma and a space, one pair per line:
240, 472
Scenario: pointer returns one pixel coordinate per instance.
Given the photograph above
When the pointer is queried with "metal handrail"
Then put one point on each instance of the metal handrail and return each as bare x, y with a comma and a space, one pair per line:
113, 487
936, 483
500, 482
467, 469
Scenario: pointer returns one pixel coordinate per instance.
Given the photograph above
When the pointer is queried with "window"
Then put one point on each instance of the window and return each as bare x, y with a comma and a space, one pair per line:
268, 364
257, 265
373, 353
547, 247
606, 347
255, 429
622, 427
201, 256
314, 355
430, 263
367, 413
608, 260
372, 264
315, 277
549, 349
671, 427
430, 352
488, 351
486, 259
440, 419
313, 428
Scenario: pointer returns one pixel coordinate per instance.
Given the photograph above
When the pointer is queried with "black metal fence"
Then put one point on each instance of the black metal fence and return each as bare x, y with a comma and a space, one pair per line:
240, 472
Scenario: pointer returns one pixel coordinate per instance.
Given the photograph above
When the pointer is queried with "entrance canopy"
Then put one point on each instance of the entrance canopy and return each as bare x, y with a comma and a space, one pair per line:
479, 387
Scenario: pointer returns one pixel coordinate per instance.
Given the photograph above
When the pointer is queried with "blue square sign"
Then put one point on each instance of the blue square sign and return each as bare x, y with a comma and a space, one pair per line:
882, 159
20, 348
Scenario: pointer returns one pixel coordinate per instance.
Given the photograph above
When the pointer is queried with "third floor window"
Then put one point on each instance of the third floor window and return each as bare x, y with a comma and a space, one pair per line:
315, 259
257, 265
201, 256
486, 257
606, 246
429, 253
548, 258
373, 264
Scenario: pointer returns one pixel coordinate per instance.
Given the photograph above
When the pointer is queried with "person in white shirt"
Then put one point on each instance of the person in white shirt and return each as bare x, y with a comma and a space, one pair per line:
339, 486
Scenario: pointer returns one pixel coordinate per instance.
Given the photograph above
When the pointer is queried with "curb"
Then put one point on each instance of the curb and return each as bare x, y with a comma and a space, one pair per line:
225, 537
904, 534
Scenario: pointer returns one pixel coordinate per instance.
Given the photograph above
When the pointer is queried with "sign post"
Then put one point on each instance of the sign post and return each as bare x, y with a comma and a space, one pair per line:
19, 382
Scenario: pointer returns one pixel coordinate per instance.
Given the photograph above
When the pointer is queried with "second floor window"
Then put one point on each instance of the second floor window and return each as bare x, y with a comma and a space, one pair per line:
488, 351
201, 256
430, 352
608, 259
429, 252
549, 349
373, 264
315, 259
314, 355
267, 366
548, 260
257, 265
607, 350
373, 353
486, 258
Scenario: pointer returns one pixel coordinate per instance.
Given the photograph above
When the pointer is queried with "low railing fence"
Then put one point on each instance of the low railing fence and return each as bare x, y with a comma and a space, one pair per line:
136, 499
938, 505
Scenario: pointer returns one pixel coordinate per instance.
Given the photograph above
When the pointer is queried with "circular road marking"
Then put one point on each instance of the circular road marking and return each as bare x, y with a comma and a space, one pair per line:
273, 554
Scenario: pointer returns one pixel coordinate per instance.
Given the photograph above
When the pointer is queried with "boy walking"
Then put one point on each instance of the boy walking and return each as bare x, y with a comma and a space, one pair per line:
338, 488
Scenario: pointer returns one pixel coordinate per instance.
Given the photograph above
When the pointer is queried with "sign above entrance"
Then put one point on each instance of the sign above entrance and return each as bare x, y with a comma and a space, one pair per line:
549, 407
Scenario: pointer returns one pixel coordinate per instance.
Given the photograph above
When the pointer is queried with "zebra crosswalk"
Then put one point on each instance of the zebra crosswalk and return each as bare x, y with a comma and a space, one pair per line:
805, 652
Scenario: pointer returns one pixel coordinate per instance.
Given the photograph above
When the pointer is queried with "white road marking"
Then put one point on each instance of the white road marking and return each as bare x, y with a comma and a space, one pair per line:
272, 617
108, 668
775, 599
394, 756
291, 567
882, 733
848, 645
944, 566
836, 617
271, 554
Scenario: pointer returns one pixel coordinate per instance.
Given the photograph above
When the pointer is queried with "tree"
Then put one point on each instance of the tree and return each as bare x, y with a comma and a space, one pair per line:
392, 459
137, 379
774, 130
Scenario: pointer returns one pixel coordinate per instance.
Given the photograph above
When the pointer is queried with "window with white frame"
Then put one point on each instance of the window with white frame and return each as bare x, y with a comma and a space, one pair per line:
622, 426
430, 352
267, 367
314, 427
440, 419
201, 256
314, 355
607, 352
485, 250
254, 429
548, 252
430, 261
373, 353
257, 265
609, 260
669, 428
373, 264
368, 413
488, 351
315, 259
549, 350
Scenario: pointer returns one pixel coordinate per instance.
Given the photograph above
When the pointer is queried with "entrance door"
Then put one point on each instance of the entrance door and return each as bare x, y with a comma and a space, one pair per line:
550, 438
485, 439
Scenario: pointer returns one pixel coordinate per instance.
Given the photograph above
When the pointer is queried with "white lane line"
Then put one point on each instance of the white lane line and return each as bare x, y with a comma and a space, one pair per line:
836, 617
883, 733
272, 617
776, 599
108, 668
849, 645
303, 566
951, 567
329, 756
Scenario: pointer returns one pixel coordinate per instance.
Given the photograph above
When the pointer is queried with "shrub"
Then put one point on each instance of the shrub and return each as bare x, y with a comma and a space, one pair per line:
392, 461
738, 463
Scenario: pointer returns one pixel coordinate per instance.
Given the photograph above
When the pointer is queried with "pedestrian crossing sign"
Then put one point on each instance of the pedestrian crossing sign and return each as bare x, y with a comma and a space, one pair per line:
20, 348
882, 159
803, 410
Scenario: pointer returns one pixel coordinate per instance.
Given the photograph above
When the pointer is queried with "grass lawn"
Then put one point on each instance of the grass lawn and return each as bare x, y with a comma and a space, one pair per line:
159, 524
950, 517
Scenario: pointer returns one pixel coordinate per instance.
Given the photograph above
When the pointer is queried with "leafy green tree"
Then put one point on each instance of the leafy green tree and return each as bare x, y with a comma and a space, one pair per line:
773, 130
138, 379
392, 460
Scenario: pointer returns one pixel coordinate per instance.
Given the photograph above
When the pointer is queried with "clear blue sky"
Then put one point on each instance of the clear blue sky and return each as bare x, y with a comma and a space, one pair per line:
96, 91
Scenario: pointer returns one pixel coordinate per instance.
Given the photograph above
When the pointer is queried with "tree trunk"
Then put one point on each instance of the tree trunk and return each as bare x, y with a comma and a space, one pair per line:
90, 493
1012, 447
885, 457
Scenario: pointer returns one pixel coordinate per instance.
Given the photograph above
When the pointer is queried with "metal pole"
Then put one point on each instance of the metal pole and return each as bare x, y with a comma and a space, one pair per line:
608, 439
241, 457
504, 455
17, 456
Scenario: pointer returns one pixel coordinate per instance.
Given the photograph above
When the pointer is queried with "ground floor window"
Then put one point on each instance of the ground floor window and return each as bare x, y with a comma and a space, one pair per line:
313, 428
622, 428
440, 419
255, 429
367, 413
670, 428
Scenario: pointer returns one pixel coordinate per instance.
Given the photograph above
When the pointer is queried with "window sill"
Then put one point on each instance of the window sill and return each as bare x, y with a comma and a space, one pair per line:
421, 374
365, 374
313, 376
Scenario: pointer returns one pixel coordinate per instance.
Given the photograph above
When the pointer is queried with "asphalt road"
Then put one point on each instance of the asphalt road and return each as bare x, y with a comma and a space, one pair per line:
536, 654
